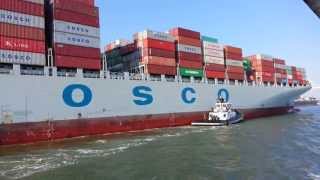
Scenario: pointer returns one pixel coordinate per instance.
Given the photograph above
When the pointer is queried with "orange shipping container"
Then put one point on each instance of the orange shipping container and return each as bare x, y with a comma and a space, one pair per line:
161, 61
231, 49
215, 74
158, 44
189, 41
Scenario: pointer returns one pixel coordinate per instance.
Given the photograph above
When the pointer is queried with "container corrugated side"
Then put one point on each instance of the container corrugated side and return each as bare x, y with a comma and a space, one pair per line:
77, 51
212, 52
154, 35
36, 1
231, 62
23, 7
159, 61
189, 49
74, 6
214, 60
21, 19
77, 62
77, 40
24, 32
76, 18
210, 45
18, 57
189, 56
26, 45
190, 64
74, 28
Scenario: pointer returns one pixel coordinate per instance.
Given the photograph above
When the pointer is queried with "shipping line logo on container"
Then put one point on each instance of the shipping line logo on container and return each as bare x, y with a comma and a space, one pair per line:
12, 44
9, 17
142, 95
82, 40
77, 29
12, 56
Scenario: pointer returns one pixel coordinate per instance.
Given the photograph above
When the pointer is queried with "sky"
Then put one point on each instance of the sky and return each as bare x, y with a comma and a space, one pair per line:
287, 29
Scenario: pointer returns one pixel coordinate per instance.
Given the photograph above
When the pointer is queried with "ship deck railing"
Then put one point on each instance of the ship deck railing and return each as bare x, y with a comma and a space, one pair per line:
16, 70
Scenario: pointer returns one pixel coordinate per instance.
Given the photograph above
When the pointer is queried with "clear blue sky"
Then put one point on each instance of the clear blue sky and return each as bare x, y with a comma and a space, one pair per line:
283, 28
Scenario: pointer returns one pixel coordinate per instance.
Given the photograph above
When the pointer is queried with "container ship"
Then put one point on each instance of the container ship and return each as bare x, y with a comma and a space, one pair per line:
56, 83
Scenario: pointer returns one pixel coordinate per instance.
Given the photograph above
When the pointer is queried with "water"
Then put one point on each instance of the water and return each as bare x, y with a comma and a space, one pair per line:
284, 147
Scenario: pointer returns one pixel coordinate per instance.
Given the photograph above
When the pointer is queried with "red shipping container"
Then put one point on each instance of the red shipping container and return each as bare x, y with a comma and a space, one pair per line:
265, 69
74, 6
22, 45
281, 71
190, 56
215, 67
76, 62
158, 44
76, 18
263, 63
154, 60
86, 2
267, 79
231, 49
234, 69
185, 32
215, 74
24, 32
234, 56
189, 41
156, 69
236, 76
23, 7
76, 51
279, 61
190, 64
158, 52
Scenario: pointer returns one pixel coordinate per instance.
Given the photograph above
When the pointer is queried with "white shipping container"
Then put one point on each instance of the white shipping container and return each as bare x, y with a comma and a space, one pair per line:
213, 60
154, 35
210, 45
36, 1
278, 75
21, 19
189, 49
301, 70
212, 52
264, 57
231, 62
280, 66
77, 40
74, 28
18, 57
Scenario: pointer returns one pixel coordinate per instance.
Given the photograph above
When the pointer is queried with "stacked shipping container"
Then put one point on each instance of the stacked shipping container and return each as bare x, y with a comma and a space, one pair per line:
75, 34
280, 70
264, 68
234, 63
213, 55
298, 75
188, 52
22, 35
157, 50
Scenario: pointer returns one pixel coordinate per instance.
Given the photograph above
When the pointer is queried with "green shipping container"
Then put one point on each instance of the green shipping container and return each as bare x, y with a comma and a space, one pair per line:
191, 72
247, 65
209, 39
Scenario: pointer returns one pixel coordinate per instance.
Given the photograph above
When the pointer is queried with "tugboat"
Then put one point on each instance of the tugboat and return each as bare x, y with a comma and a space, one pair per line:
221, 115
